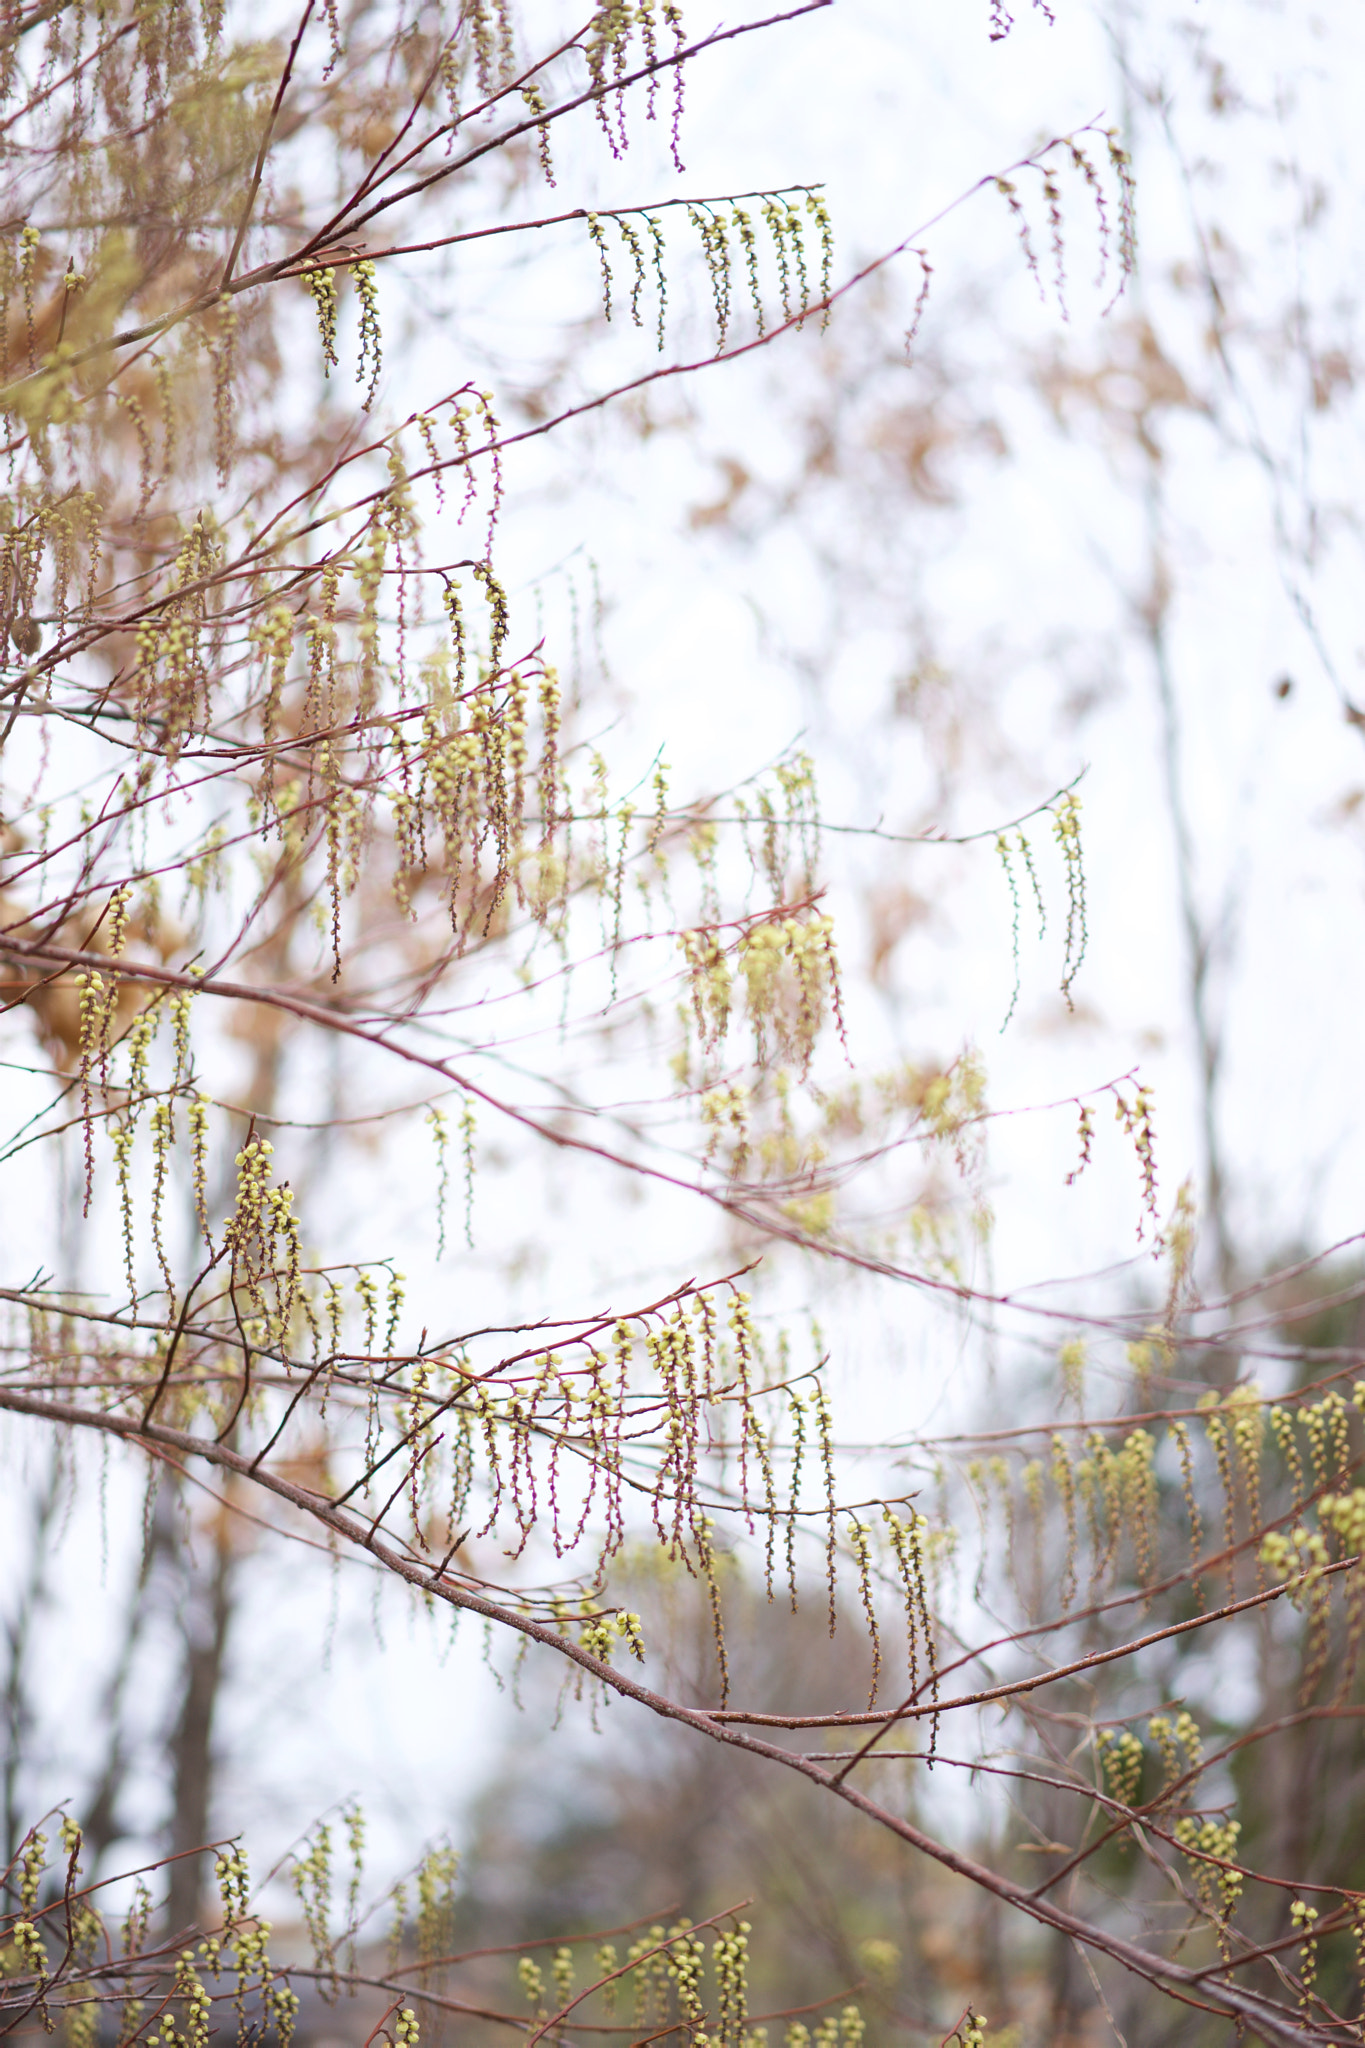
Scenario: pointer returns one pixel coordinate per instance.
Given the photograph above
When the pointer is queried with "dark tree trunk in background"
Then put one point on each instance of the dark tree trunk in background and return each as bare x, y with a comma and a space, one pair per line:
207, 1620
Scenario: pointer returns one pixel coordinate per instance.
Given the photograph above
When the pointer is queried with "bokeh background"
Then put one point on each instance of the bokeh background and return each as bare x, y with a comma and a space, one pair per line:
1066, 537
